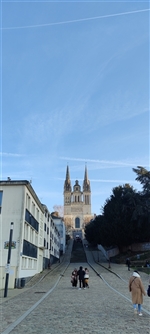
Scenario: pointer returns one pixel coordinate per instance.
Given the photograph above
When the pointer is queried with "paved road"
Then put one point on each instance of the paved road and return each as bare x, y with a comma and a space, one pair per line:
69, 310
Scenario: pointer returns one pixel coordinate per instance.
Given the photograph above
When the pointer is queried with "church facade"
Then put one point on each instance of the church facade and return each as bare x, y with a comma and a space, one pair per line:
77, 203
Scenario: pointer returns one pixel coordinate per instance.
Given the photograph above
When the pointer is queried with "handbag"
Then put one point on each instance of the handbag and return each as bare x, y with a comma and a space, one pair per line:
131, 283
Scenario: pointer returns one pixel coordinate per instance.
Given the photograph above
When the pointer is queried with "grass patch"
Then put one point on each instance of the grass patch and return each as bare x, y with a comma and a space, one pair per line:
142, 269
142, 256
138, 260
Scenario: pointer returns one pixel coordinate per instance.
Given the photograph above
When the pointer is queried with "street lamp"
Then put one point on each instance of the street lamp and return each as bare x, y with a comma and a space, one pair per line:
8, 260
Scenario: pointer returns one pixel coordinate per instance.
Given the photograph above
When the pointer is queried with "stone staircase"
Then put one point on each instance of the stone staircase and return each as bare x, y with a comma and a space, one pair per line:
78, 253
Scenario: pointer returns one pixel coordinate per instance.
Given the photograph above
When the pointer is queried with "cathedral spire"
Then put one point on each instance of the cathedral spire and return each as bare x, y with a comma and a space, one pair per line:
85, 174
67, 184
67, 174
86, 182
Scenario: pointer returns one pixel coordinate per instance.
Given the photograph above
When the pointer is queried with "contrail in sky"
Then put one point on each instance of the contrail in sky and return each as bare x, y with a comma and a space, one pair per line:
77, 20
11, 154
102, 180
98, 161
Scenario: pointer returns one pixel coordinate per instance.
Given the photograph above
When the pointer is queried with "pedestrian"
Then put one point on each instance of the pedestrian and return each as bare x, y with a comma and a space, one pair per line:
128, 263
137, 291
86, 278
147, 264
74, 278
81, 274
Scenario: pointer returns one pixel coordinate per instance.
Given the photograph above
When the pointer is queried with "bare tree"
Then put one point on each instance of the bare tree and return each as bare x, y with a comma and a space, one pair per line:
59, 209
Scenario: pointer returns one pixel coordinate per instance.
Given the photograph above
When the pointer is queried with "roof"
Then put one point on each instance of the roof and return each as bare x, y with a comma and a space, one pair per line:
26, 183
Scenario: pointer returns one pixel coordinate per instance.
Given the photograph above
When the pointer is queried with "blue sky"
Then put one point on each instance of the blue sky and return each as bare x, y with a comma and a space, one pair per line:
74, 90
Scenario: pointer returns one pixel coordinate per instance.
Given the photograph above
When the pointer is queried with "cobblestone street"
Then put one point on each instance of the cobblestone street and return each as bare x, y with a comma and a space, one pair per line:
69, 310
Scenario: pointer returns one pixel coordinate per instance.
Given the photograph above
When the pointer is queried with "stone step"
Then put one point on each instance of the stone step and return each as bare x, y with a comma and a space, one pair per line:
78, 253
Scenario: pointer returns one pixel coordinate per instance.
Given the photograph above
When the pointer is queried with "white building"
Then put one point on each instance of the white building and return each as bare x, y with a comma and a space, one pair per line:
58, 221
51, 240
19, 204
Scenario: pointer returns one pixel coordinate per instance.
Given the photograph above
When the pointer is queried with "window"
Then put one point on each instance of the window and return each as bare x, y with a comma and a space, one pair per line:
33, 209
36, 239
29, 249
29, 263
31, 220
28, 202
35, 264
25, 231
37, 214
86, 199
77, 222
1, 195
31, 235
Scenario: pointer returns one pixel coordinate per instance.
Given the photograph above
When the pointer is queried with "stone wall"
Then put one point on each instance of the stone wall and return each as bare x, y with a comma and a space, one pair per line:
145, 246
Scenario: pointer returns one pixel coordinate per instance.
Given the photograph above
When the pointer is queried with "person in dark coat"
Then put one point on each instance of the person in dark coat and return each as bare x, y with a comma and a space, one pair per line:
81, 274
74, 278
128, 263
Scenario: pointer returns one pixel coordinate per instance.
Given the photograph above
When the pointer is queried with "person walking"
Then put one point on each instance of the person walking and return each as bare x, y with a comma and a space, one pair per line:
128, 263
86, 278
81, 274
137, 291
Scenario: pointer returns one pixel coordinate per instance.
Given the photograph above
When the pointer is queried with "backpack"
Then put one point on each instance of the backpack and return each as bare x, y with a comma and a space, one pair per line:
148, 291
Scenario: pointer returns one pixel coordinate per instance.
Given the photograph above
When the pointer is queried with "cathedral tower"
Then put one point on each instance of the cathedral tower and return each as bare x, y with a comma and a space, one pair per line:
77, 202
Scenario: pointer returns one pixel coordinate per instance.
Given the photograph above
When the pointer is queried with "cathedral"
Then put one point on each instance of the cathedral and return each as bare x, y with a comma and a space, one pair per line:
77, 203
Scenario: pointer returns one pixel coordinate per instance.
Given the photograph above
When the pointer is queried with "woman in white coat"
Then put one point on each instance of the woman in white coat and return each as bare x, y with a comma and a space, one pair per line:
137, 291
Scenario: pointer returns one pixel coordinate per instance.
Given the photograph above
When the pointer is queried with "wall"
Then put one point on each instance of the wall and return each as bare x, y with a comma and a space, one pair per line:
11, 212
145, 246
16, 199
108, 253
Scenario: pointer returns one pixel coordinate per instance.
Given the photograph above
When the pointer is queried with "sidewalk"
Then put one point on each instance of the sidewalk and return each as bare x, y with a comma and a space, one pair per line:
11, 293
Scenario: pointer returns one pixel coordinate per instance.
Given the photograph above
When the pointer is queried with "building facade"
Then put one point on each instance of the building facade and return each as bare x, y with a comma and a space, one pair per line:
51, 242
62, 231
35, 238
77, 203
